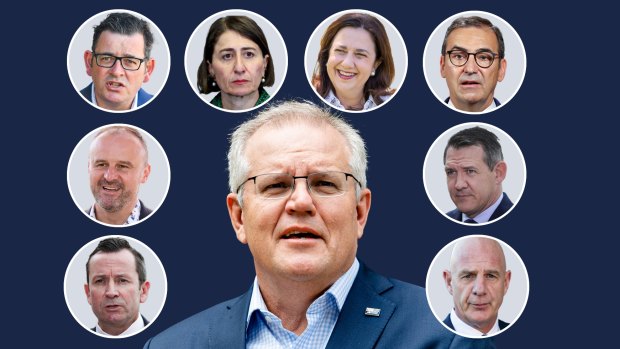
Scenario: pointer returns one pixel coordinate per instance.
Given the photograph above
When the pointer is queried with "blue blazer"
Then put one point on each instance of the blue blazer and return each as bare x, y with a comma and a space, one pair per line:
503, 207
405, 321
143, 96
448, 322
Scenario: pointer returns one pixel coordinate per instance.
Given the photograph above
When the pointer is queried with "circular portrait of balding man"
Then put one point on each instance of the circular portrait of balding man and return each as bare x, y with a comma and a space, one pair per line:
118, 175
477, 286
115, 286
474, 173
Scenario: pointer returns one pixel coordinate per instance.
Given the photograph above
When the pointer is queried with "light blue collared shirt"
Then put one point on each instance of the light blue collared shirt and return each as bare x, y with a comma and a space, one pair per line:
265, 330
484, 216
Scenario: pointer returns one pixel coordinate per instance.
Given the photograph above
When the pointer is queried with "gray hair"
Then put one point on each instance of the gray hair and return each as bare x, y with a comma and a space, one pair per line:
290, 112
117, 129
481, 137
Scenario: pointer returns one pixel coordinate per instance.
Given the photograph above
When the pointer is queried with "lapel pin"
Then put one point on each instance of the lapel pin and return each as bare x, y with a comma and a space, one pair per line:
372, 312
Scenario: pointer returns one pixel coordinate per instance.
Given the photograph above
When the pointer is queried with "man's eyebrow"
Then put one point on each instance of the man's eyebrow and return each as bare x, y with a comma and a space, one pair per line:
459, 48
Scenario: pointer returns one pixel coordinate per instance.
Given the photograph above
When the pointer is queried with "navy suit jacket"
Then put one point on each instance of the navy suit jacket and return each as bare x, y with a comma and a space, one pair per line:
448, 322
143, 96
503, 207
405, 321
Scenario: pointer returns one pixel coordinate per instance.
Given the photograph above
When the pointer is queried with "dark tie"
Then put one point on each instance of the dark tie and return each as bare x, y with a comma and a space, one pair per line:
470, 221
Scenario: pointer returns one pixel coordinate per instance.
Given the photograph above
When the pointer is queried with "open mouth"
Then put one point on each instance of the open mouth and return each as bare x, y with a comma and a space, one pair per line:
345, 75
111, 189
114, 84
300, 235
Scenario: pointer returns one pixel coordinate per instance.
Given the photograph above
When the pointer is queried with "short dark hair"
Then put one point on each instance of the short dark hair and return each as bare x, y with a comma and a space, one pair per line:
480, 137
125, 24
111, 245
247, 28
377, 85
478, 22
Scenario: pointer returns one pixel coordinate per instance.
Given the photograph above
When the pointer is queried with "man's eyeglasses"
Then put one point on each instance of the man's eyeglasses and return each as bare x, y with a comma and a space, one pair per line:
459, 58
281, 185
128, 63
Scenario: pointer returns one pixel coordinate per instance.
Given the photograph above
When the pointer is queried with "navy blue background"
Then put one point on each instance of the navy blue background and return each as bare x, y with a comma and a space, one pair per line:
560, 118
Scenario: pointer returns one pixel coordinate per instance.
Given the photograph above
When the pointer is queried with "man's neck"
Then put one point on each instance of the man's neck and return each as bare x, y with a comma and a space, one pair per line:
289, 300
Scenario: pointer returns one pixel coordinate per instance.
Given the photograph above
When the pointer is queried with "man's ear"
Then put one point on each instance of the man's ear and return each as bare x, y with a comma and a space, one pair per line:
150, 66
88, 61
235, 211
447, 277
363, 208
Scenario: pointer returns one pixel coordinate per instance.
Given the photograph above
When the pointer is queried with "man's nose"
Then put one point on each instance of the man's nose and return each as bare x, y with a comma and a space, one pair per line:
471, 66
117, 68
479, 288
111, 291
110, 174
460, 182
301, 200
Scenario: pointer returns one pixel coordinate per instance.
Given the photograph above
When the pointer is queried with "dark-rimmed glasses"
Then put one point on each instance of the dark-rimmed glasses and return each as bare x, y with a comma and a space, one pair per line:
280, 185
459, 58
128, 63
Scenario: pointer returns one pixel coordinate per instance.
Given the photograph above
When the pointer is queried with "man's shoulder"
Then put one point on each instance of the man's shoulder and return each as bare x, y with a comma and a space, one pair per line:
202, 329
454, 214
143, 96
86, 92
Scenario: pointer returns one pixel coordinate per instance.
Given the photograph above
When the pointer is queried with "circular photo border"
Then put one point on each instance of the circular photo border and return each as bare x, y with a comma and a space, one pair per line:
441, 302
514, 54
75, 277
152, 193
434, 177
82, 40
397, 43
194, 52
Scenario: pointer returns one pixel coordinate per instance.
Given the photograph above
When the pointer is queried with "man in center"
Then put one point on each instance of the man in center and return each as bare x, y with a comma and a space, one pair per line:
299, 200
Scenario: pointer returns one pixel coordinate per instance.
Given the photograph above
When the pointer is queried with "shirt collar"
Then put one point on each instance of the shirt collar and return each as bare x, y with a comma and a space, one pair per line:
491, 107
339, 290
485, 215
135, 327
134, 216
333, 100
462, 328
93, 98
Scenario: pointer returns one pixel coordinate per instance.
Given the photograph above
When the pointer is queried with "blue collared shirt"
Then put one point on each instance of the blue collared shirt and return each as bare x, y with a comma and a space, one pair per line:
484, 216
265, 330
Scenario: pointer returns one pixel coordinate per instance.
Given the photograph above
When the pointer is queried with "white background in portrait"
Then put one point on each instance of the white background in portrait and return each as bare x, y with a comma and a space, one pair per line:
434, 173
195, 50
152, 192
83, 39
442, 302
75, 278
399, 50
514, 54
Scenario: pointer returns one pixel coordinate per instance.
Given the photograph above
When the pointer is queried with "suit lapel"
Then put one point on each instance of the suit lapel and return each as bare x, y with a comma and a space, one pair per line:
229, 330
354, 329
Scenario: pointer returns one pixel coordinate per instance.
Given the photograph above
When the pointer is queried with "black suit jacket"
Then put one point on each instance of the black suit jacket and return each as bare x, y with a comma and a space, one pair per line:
448, 322
144, 211
503, 207
405, 321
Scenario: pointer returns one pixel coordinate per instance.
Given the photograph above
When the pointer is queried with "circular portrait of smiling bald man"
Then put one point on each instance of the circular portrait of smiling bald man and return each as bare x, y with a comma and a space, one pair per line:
118, 175
474, 62
477, 286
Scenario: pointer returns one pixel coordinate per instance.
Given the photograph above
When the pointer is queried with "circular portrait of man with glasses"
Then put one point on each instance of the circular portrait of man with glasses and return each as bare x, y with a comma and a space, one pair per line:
474, 62
118, 61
